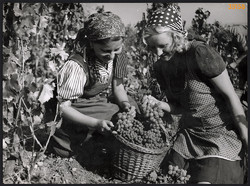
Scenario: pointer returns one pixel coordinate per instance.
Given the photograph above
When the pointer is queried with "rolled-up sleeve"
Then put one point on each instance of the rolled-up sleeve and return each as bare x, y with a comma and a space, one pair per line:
209, 61
71, 81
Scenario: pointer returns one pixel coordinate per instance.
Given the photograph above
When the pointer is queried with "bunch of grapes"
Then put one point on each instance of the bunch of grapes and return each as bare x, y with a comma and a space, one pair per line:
177, 175
129, 128
174, 175
144, 134
151, 110
153, 136
148, 129
234, 76
155, 114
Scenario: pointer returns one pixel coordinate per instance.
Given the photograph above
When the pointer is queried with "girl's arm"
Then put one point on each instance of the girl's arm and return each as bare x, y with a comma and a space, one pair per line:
82, 119
225, 87
166, 106
120, 94
170, 108
71, 80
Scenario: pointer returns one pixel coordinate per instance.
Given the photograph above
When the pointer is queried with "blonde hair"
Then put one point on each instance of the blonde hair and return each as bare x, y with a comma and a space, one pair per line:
181, 44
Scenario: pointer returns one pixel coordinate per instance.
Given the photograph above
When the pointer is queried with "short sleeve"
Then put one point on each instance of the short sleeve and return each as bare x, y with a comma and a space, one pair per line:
209, 61
71, 81
120, 70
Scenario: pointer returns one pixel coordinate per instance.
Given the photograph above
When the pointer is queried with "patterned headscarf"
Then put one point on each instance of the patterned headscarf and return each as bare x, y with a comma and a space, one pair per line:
98, 26
167, 17
104, 25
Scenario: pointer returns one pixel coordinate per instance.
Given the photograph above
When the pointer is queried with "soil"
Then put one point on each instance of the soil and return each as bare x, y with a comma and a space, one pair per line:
56, 170
51, 169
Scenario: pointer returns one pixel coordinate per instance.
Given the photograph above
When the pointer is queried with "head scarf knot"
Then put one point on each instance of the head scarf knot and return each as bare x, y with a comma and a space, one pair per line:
167, 17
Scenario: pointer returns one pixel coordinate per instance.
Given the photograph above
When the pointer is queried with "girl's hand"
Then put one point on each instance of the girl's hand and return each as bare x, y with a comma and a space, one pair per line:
243, 130
104, 126
244, 137
125, 105
128, 108
64, 105
132, 111
154, 101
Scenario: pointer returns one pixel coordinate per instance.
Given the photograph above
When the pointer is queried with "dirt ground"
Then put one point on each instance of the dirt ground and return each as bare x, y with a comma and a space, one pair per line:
52, 169
91, 166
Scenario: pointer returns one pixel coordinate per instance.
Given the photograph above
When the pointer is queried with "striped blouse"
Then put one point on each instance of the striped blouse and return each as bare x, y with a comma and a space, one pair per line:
72, 78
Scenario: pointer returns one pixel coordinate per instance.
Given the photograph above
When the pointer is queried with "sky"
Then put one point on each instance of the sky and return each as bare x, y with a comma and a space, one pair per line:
131, 13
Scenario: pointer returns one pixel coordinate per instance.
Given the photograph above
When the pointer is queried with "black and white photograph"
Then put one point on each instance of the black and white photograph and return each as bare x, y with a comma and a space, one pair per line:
125, 92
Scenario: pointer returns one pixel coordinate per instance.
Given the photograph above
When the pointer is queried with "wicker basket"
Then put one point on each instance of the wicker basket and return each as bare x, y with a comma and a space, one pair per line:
132, 162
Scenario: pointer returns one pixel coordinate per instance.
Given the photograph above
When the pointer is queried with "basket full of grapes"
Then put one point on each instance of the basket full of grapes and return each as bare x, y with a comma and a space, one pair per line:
142, 141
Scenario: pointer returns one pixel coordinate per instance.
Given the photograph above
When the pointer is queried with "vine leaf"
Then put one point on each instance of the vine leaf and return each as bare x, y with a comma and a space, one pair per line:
9, 68
14, 59
43, 21
32, 30
6, 141
59, 50
11, 87
46, 94
52, 66
6, 125
37, 120
17, 11
27, 21
32, 96
29, 9
28, 80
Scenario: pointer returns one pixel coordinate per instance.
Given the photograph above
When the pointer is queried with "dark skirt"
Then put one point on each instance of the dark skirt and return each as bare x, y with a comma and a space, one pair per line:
213, 170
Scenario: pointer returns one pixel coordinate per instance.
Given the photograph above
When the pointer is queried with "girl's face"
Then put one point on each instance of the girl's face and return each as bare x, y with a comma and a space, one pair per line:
161, 44
106, 52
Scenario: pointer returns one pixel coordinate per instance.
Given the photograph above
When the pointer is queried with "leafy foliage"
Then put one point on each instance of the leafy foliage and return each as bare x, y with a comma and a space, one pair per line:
37, 38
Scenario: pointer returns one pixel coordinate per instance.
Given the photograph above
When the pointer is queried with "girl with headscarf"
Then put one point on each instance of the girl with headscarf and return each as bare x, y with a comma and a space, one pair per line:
213, 130
90, 84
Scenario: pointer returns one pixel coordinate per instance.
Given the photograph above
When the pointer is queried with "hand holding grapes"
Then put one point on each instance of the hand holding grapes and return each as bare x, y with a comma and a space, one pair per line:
128, 108
151, 100
244, 137
104, 126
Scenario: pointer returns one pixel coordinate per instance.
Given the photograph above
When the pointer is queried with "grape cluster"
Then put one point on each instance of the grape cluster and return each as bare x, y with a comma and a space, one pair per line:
129, 128
146, 129
156, 115
144, 133
234, 76
153, 136
151, 110
175, 175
